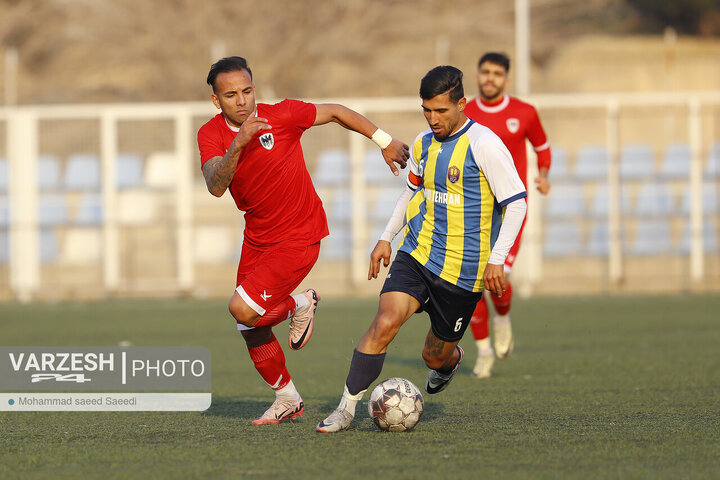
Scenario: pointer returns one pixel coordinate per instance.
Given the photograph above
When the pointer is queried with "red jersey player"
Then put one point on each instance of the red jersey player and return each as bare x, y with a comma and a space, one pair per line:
513, 121
254, 151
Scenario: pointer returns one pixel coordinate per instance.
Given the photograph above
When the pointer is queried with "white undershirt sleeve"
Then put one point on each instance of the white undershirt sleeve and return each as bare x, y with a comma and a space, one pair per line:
512, 221
397, 219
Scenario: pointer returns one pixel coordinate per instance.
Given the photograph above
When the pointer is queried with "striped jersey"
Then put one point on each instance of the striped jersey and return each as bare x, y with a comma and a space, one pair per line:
461, 185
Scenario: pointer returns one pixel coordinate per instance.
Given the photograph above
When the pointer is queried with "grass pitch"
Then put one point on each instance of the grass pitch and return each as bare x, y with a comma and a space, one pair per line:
596, 388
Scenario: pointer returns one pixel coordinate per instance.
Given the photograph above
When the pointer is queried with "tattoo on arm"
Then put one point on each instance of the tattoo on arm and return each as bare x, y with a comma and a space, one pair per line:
434, 346
218, 173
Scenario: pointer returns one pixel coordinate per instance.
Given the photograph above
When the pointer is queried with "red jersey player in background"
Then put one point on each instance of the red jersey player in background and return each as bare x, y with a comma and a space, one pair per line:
254, 151
513, 121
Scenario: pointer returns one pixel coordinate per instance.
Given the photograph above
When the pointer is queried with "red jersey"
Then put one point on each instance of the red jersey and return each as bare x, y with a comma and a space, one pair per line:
271, 183
513, 121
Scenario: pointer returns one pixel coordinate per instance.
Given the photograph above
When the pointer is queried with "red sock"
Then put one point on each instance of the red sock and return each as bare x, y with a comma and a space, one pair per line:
479, 321
279, 313
502, 304
269, 361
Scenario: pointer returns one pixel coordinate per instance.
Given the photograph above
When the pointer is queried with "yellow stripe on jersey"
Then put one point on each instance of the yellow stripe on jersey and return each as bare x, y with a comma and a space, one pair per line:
422, 252
456, 215
486, 204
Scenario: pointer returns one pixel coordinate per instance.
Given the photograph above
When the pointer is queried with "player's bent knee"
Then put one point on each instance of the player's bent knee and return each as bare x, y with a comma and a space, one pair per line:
241, 312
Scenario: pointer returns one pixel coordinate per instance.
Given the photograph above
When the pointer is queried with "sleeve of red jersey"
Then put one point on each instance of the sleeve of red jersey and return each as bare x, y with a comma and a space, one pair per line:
539, 141
210, 143
302, 114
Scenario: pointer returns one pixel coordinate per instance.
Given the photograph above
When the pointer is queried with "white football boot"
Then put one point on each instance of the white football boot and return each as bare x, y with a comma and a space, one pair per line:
281, 410
484, 364
342, 417
504, 341
301, 324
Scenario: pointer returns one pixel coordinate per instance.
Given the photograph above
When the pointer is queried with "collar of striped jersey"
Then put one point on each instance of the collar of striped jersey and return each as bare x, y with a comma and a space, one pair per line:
237, 129
493, 108
457, 134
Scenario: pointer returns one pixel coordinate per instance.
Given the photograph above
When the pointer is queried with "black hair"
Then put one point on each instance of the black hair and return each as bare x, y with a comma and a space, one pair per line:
442, 79
496, 58
227, 64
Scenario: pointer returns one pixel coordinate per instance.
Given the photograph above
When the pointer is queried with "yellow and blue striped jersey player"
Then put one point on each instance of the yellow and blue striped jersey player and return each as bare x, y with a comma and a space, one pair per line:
461, 212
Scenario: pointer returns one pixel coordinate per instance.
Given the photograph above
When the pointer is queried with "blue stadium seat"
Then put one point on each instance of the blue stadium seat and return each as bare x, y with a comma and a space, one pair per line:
332, 169
599, 241
676, 162
52, 210
48, 171
49, 246
712, 168
636, 162
592, 163
600, 203
340, 209
376, 170
559, 168
652, 237
709, 200
565, 200
4, 175
4, 247
385, 201
129, 170
90, 210
655, 200
82, 172
709, 235
339, 244
562, 239
4, 214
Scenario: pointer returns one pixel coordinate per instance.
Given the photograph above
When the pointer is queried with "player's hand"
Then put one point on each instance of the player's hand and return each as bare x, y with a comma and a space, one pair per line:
382, 251
248, 129
543, 185
396, 152
494, 279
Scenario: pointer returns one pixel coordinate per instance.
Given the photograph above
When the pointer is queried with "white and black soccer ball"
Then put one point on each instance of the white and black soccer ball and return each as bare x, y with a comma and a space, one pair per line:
396, 405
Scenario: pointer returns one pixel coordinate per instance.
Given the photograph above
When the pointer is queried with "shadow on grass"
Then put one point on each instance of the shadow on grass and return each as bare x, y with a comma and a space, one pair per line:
231, 407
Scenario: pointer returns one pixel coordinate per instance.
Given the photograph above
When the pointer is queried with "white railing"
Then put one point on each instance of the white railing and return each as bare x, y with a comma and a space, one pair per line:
22, 147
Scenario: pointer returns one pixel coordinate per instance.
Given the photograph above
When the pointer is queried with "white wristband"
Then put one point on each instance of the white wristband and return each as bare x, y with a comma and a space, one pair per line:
382, 139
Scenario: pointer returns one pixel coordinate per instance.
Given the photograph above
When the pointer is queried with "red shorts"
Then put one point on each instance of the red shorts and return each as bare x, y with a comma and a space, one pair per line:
510, 260
266, 277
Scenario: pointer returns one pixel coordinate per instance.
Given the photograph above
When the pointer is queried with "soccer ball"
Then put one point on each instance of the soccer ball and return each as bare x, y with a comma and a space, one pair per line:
396, 405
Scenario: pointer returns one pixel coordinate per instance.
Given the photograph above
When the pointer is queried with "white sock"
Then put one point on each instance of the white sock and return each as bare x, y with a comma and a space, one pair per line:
349, 402
301, 301
288, 392
501, 319
484, 347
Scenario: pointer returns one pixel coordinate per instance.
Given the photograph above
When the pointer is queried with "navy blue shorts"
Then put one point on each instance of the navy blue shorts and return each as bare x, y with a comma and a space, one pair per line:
450, 307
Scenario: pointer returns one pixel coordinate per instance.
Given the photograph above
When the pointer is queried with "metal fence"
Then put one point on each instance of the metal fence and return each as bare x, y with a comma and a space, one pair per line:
109, 200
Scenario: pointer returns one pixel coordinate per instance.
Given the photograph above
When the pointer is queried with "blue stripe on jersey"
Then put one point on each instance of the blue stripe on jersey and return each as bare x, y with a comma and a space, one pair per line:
437, 249
513, 198
472, 213
498, 212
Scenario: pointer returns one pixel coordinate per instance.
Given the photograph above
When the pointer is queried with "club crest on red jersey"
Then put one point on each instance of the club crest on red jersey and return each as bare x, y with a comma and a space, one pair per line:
453, 174
513, 125
267, 140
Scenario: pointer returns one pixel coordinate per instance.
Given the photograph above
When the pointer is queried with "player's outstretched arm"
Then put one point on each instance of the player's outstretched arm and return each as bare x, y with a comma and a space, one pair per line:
219, 171
382, 251
393, 151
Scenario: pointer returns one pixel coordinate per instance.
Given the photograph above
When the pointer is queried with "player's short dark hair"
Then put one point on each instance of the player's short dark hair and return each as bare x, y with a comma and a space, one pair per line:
442, 79
225, 65
496, 58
